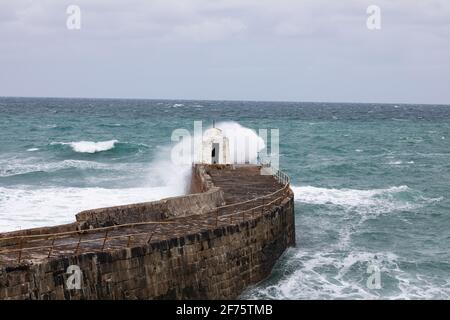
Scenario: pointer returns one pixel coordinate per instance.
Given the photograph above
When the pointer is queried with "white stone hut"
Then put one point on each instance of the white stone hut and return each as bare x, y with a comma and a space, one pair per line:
215, 147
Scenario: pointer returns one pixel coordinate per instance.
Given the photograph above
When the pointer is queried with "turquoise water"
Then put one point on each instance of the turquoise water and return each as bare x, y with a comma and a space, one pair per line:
371, 182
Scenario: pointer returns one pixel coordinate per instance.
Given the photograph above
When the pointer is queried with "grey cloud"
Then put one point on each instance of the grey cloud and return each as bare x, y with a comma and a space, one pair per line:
236, 49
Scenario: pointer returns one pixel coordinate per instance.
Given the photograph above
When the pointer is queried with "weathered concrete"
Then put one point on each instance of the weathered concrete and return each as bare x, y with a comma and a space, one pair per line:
175, 207
215, 262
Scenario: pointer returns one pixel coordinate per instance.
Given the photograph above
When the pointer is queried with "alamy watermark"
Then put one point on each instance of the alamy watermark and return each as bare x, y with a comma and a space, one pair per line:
73, 21
235, 145
75, 278
374, 19
374, 279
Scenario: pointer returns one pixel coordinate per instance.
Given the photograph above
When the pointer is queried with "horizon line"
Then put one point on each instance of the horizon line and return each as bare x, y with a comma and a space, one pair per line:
224, 100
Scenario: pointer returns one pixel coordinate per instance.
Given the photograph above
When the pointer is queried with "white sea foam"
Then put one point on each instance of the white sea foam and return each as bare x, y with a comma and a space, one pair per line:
32, 149
337, 270
366, 204
28, 207
395, 163
345, 197
240, 137
355, 207
90, 146
337, 275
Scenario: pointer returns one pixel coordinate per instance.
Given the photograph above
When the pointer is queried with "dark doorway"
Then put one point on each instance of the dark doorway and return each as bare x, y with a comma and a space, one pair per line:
215, 153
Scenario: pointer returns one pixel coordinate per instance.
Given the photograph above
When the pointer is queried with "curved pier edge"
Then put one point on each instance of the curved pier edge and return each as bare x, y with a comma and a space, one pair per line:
219, 259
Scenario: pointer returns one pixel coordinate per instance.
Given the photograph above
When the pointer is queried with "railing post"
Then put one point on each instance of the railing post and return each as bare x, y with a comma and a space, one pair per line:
217, 217
104, 240
151, 235
51, 248
78, 245
20, 249
262, 206
129, 241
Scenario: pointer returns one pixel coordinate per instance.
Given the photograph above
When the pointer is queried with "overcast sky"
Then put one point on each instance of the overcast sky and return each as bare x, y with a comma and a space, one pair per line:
291, 50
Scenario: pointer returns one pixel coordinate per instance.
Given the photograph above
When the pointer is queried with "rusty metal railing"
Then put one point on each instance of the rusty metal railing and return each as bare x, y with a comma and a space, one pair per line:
266, 163
217, 216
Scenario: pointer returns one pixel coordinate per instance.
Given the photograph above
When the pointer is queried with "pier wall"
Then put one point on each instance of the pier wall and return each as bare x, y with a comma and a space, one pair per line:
216, 264
203, 197
14, 236
168, 208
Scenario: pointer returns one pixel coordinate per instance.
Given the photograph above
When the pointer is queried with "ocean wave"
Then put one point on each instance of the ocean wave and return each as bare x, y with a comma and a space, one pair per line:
343, 197
57, 127
111, 125
31, 165
89, 146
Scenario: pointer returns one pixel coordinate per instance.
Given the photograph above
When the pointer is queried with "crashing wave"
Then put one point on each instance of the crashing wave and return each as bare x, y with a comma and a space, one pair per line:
90, 146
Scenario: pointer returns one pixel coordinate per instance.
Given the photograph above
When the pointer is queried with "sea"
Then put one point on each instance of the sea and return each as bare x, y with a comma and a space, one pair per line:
371, 181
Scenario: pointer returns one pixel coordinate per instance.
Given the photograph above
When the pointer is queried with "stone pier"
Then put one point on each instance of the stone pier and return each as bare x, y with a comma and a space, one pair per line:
210, 244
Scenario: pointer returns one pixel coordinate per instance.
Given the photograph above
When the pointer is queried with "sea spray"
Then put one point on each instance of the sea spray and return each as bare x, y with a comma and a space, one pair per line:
172, 165
245, 143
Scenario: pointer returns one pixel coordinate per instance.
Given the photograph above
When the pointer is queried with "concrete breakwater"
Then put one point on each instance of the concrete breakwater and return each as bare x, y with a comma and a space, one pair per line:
212, 244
